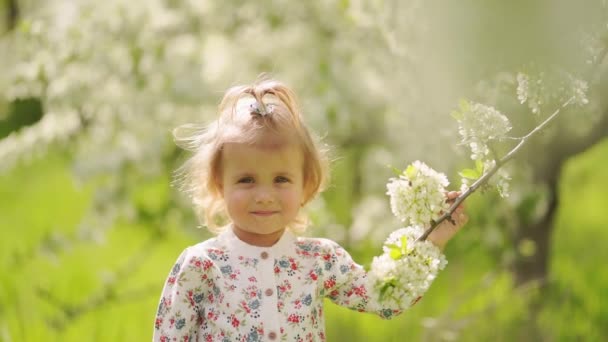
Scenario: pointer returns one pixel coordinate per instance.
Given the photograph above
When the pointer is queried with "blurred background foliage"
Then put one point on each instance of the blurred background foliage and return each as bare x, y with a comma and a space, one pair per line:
90, 90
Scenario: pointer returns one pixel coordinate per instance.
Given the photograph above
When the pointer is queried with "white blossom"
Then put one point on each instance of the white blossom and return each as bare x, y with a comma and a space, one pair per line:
417, 196
407, 267
550, 88
522, 87
579, 91
479, 124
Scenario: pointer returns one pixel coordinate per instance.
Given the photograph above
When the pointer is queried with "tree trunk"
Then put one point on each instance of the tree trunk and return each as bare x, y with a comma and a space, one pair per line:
535, 267
548, 161
12, 14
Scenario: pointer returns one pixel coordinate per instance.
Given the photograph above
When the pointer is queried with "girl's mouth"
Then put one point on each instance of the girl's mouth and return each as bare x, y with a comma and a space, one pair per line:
264, 212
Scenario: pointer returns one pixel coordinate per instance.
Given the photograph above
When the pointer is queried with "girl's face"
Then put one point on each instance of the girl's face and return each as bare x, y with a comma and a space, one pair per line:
263, 189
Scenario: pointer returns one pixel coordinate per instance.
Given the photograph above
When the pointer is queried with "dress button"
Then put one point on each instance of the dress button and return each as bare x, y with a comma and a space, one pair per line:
264, 255
269, 292
272, 335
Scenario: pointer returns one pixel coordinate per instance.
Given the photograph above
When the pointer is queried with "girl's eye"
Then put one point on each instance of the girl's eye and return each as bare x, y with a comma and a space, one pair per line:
246, 180
282, 179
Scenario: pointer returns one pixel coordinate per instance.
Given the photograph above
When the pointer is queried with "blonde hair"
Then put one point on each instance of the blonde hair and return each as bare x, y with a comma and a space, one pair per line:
200, 176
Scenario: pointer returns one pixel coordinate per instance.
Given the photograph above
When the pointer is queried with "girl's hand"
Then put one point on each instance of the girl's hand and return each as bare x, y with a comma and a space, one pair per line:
446, 229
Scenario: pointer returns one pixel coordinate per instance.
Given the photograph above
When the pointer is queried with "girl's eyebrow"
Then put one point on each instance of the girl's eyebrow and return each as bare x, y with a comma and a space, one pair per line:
253, 174
284, 173
243, 174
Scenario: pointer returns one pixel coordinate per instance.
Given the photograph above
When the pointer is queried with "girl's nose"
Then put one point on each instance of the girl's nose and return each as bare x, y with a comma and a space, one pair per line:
264, 197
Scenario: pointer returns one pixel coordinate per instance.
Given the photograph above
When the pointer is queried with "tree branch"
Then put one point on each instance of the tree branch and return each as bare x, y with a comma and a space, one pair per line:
486, 176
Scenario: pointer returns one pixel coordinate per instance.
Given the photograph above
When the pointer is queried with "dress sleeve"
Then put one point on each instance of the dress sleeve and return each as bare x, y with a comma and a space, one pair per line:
348, 284
180, 311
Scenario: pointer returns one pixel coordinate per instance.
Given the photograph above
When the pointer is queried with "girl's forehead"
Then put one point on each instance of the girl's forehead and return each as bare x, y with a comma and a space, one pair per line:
261, 156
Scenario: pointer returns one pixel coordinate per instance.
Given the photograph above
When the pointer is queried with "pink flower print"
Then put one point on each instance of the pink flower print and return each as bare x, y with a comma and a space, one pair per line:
293, 318
245, 306
252, 279
313, 275
284, 287
207, 264
190, 295
158, 323
235, 322
293, 265
212, 315
216, 254
360, 291
329, 283
171, 280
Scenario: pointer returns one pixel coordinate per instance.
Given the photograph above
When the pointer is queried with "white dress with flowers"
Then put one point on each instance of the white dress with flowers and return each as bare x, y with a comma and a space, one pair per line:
226, 290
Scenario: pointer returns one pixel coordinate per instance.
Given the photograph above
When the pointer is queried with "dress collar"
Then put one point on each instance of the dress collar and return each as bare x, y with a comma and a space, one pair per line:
281, 247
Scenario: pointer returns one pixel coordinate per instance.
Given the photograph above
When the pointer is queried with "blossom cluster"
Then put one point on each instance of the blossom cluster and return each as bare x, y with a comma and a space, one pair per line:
407, 267
540, 88
417, 196
479, 124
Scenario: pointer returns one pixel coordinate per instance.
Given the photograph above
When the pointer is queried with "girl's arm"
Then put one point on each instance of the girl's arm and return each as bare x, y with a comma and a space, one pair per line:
179, 314
348, 284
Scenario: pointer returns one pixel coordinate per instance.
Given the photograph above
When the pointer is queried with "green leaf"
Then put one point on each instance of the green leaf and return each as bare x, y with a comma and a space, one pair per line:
464, 105
404, 244
410, 171
479, 166
395, 253
390, 282
469, 173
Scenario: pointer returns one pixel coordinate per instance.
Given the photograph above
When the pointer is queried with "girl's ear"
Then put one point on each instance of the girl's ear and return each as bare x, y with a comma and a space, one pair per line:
218, 184
220, 187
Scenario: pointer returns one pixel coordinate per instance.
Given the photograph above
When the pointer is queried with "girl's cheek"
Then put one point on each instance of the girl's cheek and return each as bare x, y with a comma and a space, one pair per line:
293, 197
241, 195
237, 196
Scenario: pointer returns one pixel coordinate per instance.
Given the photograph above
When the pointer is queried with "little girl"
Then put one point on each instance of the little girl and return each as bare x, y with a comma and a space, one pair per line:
252, 171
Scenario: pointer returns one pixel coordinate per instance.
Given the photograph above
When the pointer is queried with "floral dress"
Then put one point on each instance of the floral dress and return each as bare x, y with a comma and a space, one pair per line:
226, 290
